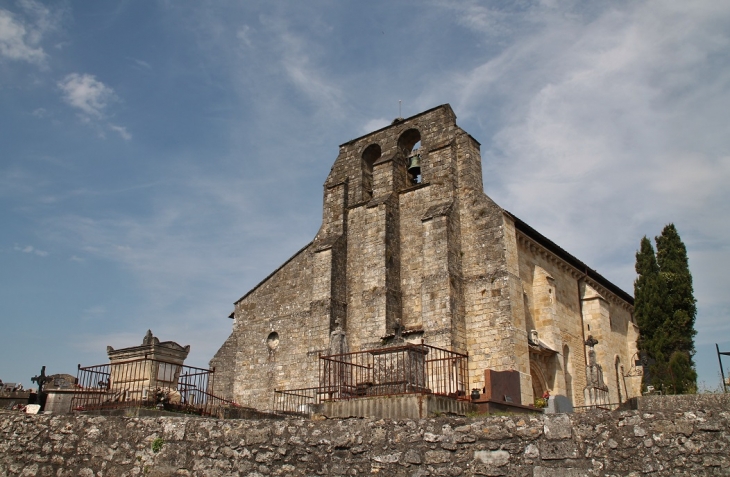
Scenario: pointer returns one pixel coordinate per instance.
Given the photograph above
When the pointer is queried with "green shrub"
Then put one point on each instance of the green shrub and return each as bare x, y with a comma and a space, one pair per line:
157, 445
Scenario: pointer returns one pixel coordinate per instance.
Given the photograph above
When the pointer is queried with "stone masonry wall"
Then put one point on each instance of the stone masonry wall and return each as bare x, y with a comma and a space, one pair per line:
283, 306
629, 443
564, 314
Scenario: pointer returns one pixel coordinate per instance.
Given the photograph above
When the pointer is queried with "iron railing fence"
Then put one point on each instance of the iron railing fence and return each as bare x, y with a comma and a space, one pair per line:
296, 402
146, 382
406, 369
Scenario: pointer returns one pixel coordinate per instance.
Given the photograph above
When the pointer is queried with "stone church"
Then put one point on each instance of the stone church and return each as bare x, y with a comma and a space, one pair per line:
410, 246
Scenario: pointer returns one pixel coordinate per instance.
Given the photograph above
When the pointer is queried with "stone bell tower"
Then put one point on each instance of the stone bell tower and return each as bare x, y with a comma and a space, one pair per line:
410, 245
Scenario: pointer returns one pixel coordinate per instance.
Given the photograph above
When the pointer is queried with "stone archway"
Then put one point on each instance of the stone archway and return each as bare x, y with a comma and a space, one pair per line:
539, 384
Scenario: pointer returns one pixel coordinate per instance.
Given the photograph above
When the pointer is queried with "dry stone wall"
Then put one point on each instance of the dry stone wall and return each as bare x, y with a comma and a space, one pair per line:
629, 443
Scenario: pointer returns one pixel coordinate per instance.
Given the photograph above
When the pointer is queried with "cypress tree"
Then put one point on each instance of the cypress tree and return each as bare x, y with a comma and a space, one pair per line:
665, 311
647, 295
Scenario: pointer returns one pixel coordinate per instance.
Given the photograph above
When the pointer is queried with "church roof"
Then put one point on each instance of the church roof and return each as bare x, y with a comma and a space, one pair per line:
570, 259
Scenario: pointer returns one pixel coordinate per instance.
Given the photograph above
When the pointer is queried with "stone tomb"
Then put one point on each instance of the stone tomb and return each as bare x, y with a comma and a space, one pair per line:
139, 369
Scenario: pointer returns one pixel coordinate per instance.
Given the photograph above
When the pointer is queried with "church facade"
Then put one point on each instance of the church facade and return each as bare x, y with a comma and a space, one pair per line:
411, 246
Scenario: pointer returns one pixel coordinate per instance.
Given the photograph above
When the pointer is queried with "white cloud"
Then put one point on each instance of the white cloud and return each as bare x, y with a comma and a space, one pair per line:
244, 35
31, 249
608, 124
298, 60
16, 42
85, 92
122, 131
21, 34
187, 252
91, 97
43, 18
141, 63
601, 126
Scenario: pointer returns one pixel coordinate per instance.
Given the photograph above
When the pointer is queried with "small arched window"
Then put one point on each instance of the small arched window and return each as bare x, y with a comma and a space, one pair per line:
369, 156
272, 341
409, 144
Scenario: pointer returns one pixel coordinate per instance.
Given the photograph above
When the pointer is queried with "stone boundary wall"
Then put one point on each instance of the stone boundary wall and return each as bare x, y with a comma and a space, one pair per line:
626, 443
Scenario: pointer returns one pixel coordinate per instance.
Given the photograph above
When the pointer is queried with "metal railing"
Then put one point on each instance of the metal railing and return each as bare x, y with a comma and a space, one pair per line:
146, 382
406, 369
296, 402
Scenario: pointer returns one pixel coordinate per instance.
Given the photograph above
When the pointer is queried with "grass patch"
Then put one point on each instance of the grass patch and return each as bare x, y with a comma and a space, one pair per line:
157, 445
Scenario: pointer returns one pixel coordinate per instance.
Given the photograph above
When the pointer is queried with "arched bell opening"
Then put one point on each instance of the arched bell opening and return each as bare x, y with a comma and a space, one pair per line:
409, 145
371, 154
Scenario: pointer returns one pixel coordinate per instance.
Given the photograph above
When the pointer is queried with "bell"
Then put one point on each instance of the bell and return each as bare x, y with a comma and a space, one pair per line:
414, 165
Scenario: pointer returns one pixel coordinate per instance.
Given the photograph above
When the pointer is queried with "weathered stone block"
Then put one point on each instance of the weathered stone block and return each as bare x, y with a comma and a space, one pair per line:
558, 427
437, 457
552, 450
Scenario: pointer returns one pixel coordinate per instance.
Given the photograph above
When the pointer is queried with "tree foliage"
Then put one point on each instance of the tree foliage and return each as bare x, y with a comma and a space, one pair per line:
665, 311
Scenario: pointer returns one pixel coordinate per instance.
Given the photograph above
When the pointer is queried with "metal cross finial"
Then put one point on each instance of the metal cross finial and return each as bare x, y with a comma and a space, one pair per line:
40, 379
591, 341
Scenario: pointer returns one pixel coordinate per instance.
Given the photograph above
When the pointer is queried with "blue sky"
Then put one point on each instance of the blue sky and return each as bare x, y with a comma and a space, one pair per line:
160, 158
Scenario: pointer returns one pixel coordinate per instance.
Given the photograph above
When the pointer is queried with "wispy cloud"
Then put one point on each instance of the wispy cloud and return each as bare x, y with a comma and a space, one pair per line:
19, 182
15, 41
21, 34
141, 63
599, 123
244, 35
189, 241
306, 76
606, 121
86, 93
91, 98
602, 124
122, 131
32, 250
295, 54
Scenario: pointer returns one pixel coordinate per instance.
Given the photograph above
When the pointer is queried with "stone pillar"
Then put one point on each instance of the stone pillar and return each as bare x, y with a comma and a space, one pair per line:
545, 313
438, 297
596, 319
329, 287
381, 277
